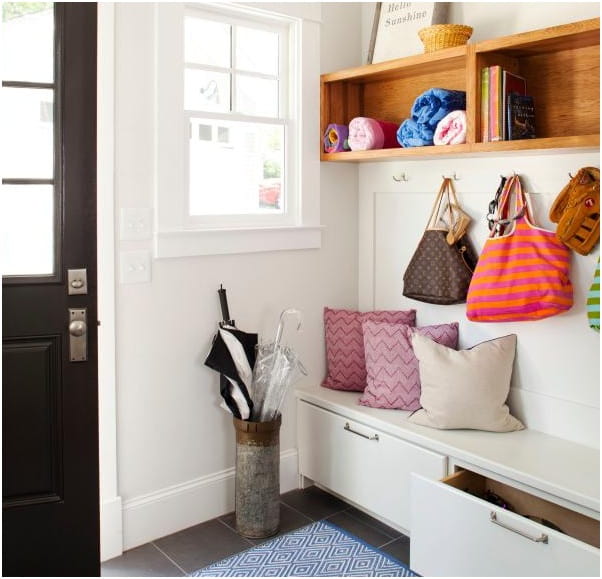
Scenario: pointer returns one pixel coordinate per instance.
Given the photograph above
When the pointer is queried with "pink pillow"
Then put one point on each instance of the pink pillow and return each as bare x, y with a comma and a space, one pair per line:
393, 379
346, 365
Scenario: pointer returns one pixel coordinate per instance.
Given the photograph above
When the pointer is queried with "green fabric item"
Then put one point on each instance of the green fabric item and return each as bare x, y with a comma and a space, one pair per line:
593, 301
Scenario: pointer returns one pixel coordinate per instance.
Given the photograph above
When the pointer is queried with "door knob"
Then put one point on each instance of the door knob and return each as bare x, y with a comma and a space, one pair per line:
78, 340
77, 328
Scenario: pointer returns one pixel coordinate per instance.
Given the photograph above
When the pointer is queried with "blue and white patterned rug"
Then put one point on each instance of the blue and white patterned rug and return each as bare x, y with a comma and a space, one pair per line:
320, 549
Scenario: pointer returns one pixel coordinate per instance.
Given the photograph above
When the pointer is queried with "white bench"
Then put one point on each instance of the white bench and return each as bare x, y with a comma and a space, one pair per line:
406, 475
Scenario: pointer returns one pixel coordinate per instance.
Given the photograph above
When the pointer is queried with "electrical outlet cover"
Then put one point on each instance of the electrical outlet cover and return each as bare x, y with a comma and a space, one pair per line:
135, 224
135, 266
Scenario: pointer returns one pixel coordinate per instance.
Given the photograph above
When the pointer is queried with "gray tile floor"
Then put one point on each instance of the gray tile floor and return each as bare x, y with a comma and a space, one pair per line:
188, 550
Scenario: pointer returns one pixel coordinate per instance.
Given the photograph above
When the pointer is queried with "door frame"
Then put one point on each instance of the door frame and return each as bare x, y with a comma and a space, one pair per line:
111, 526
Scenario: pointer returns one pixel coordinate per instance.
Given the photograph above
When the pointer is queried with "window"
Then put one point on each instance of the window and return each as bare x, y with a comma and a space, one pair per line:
30, 184
241, 164
236, 106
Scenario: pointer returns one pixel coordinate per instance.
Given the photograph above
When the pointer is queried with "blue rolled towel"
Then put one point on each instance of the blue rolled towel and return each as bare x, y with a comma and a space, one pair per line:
413, 134
434, 104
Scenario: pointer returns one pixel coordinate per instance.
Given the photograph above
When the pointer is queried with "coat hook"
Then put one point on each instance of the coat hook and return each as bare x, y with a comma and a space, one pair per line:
454, 177
402, 177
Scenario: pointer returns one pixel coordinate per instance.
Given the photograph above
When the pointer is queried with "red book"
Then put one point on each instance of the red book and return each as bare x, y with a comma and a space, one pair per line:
511, 84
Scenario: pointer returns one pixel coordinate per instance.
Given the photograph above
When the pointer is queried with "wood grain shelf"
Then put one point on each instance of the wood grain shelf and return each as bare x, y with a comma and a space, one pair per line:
561, 65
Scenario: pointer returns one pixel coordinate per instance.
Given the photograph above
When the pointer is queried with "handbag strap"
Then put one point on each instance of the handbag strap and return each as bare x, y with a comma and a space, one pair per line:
512, 191
446, 189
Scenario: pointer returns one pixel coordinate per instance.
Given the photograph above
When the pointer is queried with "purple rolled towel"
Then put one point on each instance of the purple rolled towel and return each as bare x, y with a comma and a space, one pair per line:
336, 138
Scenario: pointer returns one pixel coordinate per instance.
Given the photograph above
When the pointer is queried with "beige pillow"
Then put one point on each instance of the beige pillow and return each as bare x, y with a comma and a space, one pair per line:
465, 388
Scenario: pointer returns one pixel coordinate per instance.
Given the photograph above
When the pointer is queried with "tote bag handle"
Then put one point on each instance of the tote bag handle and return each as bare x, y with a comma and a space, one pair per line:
512, 190
447, 188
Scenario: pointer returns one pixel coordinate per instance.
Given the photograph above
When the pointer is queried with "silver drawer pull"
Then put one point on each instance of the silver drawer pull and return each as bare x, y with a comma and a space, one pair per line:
373, 437
543, 538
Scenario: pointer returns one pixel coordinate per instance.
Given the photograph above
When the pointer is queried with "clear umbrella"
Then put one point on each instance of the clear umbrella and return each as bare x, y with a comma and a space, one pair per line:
276, 368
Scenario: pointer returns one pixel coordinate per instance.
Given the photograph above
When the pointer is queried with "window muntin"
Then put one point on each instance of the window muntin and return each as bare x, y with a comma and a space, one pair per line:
237, 114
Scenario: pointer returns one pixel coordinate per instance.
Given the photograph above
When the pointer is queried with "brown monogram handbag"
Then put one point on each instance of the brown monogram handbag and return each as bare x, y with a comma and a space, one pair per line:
441, 268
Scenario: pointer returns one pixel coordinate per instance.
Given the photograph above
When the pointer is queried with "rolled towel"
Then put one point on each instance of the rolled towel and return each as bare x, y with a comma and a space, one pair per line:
413, 134
336, 138
451, 129
365, 134
434, 104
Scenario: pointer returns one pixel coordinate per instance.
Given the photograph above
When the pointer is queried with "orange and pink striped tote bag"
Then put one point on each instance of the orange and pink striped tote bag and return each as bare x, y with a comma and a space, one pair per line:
523, 271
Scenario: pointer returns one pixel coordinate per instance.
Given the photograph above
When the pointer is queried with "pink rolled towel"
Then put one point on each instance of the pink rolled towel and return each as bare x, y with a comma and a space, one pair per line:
365, 133
451, 129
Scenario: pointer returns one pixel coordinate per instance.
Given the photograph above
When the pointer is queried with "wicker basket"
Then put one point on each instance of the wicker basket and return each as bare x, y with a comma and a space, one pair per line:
441, 36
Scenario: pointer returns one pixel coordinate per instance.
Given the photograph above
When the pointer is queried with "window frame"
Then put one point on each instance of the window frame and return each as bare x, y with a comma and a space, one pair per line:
176, 232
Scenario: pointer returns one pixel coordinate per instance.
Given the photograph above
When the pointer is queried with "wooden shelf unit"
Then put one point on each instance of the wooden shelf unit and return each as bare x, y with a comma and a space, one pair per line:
561, 65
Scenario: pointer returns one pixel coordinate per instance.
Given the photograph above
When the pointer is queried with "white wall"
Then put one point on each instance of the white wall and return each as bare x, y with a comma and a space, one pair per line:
557, 376
175, 446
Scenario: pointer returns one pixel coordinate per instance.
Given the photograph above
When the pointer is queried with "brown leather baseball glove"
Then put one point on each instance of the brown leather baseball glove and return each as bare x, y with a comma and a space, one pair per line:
577, 211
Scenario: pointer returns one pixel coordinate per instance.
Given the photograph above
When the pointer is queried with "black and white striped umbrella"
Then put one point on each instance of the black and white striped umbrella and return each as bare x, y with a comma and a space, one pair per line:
233, 354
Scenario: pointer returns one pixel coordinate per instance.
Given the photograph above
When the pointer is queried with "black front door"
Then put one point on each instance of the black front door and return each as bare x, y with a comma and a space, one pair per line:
49, 317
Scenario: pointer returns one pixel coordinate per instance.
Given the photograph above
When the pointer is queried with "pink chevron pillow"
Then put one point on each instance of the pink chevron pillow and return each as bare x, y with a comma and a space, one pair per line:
393, 380
346, 365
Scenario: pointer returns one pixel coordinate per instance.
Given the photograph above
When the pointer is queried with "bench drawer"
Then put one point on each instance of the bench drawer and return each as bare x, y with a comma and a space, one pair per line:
362, 464
456, 532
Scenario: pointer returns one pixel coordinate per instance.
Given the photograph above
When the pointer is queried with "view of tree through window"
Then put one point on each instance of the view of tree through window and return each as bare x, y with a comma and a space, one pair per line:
16, 9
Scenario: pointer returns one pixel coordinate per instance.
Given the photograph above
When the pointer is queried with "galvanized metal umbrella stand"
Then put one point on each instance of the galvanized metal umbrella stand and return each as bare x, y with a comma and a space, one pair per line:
257, 494
257, 490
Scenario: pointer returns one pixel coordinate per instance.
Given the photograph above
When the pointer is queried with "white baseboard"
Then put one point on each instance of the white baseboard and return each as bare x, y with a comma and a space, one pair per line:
172, 509
111, 529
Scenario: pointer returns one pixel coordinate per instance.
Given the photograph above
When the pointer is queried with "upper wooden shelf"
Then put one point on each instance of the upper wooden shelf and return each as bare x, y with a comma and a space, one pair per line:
561, 65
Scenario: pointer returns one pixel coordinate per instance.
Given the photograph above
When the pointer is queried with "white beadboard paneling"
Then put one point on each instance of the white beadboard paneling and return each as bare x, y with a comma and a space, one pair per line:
565, 418
558, 359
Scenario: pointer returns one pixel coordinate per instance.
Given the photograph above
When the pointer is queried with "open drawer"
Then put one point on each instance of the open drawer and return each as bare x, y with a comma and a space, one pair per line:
472, 525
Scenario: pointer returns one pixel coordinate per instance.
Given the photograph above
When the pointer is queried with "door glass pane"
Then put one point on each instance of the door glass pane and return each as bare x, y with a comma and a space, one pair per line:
257, 153
206, 91
207, 42
27, 41
27, 229
256, 50
256, 96
27, 133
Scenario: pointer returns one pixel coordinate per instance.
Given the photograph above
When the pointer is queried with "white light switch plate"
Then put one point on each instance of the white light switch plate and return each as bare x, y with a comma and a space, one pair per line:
136, 224
135, 266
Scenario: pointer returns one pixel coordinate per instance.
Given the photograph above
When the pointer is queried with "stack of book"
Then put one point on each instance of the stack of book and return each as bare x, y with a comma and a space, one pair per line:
507, 112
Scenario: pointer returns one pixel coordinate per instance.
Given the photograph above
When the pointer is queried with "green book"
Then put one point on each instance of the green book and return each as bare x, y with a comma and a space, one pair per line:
485, 105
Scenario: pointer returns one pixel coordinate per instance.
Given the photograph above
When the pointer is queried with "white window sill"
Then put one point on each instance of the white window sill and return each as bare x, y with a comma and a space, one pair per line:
188, 243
